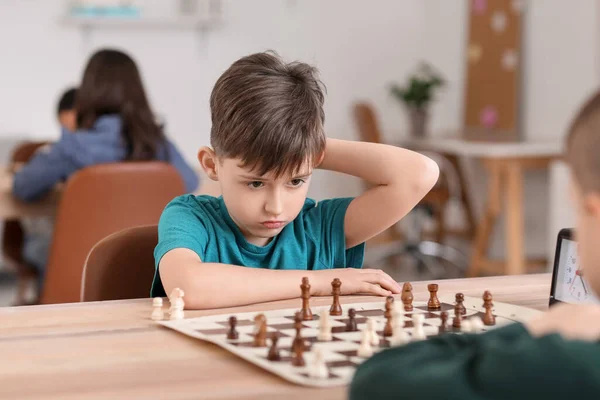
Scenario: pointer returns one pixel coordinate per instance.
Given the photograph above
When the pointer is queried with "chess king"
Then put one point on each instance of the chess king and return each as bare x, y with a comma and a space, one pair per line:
556, 356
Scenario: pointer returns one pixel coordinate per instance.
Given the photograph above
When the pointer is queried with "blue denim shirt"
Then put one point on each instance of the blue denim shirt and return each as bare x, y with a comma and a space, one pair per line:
74, 151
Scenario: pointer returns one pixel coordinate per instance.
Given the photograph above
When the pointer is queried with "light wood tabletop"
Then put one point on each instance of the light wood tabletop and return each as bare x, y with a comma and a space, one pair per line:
10, 207
113, 350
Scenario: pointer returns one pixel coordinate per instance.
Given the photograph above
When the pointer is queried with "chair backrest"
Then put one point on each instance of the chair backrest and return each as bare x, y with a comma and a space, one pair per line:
13, 235
366, 121
96, 202
121, 266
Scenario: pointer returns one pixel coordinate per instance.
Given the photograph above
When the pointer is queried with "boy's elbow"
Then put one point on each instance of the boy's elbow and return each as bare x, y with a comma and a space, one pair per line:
428, 176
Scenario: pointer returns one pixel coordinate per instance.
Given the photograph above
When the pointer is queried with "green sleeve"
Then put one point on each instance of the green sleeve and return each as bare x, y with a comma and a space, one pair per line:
506, 363
181, 225
325, 224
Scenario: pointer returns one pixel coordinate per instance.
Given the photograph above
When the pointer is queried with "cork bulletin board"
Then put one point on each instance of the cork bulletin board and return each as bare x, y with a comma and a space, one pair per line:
493, 70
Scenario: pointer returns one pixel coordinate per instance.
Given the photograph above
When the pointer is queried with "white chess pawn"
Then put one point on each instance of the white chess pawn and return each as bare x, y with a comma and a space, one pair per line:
399, 337
418, 332
318, 368
157, 311
177, 304
476, 324
466, 326
365, 350
324, 334
374, 339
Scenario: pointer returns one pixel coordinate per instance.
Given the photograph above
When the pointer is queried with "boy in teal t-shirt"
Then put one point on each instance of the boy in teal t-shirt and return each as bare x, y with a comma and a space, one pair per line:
267, 138
556, 356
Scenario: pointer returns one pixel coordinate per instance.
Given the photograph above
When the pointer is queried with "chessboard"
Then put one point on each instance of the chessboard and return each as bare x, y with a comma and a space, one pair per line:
340, 354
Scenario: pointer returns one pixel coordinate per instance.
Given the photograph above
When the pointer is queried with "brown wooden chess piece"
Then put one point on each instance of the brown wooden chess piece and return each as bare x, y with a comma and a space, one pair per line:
444, 319
232, 334
407, 296
457, 316
460, 298
297, 357
336, 308
351, 325
260, 335
488, 319
388, 330
434, 303
298, 341
306, 312
273, 354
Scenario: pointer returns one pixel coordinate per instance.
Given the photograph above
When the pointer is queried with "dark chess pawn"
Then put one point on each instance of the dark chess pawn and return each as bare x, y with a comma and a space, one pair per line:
232, 334
297, 357
351, 325
444, 319
388, 330
274, 351
457, 316
460, 298
488, 319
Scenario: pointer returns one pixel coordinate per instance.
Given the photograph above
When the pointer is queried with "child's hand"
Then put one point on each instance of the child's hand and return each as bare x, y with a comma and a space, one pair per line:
354, 281
573, 322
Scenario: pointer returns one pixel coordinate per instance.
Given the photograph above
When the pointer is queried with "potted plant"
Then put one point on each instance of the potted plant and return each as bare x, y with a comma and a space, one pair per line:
417, 95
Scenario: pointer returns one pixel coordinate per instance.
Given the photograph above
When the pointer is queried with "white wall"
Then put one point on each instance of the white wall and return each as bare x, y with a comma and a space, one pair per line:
360, 47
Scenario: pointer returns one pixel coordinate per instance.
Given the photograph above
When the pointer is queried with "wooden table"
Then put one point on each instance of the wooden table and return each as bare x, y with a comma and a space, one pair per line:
11, 208
506, 164
113, 350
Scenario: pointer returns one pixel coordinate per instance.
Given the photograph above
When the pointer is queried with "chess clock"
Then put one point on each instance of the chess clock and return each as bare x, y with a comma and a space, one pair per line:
568, 278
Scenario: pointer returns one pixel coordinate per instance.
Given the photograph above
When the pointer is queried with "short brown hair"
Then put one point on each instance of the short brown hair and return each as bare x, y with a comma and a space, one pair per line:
269, 114
583, 145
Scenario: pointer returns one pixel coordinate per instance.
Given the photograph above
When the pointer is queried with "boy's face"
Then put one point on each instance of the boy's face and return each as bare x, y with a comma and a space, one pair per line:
68, 119
587, 232
261, 206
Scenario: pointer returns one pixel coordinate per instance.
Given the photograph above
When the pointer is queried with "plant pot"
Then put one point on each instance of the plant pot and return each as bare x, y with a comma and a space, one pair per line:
418, 122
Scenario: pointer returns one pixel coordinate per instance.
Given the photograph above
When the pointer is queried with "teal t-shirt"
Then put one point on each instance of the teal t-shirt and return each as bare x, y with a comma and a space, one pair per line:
314, 240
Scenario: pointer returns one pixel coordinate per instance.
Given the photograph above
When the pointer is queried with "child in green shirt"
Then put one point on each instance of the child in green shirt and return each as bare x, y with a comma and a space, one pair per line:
257, 241
556, 356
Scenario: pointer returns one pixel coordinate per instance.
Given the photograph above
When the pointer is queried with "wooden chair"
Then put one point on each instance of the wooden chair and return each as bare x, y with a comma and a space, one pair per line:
96, 202
121, 266
434, 202
13, 237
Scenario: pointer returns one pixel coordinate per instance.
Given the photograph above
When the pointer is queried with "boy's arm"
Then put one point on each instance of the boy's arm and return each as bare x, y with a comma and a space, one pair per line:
507, 363
214, 285
400, 179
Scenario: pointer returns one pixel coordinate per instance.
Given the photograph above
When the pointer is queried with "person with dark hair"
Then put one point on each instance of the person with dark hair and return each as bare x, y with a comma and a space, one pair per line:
114, 123
267, 137
66, 114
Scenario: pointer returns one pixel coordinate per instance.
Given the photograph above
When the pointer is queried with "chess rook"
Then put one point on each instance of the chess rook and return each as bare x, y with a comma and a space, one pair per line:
351, 325
434, 303
305, 288
336, 308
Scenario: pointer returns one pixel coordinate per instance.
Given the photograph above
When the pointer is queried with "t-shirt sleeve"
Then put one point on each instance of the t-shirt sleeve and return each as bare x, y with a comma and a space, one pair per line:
180, 226
506, 363
326, 223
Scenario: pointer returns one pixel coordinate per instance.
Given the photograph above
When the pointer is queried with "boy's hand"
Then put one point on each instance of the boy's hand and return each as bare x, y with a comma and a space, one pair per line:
571, 321
354, 281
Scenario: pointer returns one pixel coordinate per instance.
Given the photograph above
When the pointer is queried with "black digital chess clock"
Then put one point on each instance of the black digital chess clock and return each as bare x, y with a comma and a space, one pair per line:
568, 279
